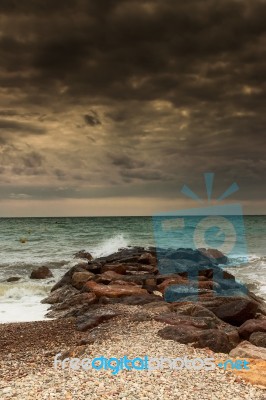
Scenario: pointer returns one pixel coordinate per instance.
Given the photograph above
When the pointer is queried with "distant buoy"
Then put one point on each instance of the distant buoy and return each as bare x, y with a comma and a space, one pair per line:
23, 240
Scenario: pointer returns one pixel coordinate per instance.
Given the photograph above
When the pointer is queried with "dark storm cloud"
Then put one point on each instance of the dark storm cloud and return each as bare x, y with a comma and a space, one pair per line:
180, 85
13, 126
92, 119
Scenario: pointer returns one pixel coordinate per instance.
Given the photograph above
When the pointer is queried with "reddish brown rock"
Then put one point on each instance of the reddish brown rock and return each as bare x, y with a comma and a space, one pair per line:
76, 300
79, 278
132, 300
119, 268
182, 320
247, 350
177, 280
41, 273
214, 339
234, 310
216, 254
84, 254
60, 294
94, 318
147, 258
250, 326
114, 290
13, 279
258, 339
108, 276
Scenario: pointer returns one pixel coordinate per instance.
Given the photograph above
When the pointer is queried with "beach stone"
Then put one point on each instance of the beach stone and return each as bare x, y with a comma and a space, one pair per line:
108, 276
83, 254
182, 320
246, 349
79, 278
76, 300
94, 318
13, 279
120, 282
41, 273
234, 310
114, 290
258, 339
66, 279
172, 281
116, 267
217, 255
250, 326
147, 258
132, 300
214, 339
60, 294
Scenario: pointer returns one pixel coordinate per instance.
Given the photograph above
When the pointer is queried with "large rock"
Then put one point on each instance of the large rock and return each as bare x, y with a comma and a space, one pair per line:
172, 281
74, 300
66, 279
116, 267
258, 339
214, 254
250, 326
133, 300
79, 278
94, 318
114, 290
41, 273
60, 294
182, 320
247, 350
234, 310
213, 339
147, 258
84, 254
13, 279
109, 276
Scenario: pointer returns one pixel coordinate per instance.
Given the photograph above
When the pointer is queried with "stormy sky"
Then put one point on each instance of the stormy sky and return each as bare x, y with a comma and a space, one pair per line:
107, 107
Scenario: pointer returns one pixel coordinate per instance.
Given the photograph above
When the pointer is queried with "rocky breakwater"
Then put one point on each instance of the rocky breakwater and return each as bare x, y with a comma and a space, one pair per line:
197, 301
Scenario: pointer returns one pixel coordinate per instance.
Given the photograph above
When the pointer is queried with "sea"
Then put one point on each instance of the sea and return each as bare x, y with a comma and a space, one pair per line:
28, 243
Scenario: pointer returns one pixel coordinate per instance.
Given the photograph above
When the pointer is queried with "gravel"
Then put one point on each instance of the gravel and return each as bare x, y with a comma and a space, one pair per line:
28, 350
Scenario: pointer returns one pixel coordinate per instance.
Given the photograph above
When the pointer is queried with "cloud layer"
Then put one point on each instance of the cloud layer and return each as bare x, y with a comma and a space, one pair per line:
116, 98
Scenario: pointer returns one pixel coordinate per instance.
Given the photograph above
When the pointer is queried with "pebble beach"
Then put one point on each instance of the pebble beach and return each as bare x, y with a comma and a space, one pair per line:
28, 373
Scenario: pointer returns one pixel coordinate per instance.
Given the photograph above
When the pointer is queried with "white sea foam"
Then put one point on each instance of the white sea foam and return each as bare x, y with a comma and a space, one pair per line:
110, 246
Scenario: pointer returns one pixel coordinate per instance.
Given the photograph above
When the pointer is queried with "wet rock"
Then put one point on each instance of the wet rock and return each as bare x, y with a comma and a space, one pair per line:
147, 258
114, 290
179, 292
83, 254
79, 278
214, 339
217, 255
250, 326
66, 279
118, 268
171, 281
182, 320
94, 318
132, 300
60, 294
76, 300
246, 349
234, 310
258, 339
13, 279
41, 273
109, 276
